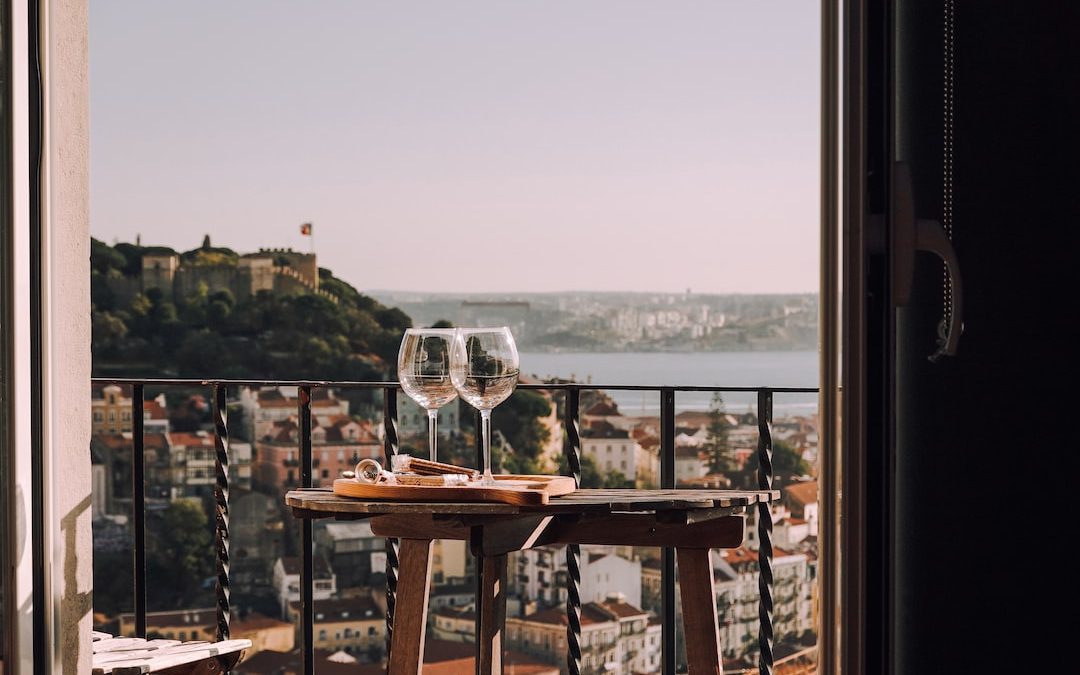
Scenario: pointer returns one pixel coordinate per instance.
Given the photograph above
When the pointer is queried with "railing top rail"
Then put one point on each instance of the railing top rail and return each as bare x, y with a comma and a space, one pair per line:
353, 384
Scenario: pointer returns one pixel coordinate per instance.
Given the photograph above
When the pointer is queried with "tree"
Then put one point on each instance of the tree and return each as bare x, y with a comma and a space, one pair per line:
616, 480
180, 548
721, 457
442, 323
518, 418
787, 464
590, 474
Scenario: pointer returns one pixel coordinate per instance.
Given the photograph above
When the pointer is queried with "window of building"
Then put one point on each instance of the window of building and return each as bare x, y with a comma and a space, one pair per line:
322, 635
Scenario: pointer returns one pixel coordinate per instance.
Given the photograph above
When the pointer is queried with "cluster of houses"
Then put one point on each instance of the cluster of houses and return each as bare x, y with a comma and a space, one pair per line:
620, 586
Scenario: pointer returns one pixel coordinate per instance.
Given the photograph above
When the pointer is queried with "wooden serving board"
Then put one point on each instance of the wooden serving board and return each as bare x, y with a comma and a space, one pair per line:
511, 489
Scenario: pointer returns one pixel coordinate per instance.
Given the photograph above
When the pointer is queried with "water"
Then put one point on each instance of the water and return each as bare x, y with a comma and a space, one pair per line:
730, 369
429, 391
487, 391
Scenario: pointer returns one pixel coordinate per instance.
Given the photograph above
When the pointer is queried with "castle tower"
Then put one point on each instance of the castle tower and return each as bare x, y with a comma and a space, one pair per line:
159, 271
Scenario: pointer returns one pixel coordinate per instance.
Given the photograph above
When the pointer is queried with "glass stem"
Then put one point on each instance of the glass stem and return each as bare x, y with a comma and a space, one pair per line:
485, 425
433, 433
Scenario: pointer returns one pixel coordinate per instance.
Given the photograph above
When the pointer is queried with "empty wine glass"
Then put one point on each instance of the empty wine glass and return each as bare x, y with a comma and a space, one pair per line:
424, 371
484, 368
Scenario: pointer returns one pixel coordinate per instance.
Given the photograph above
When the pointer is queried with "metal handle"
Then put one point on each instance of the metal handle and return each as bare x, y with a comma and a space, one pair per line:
910, 235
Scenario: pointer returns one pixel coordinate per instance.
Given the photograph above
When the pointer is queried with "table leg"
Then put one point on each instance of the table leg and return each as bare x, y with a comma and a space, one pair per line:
492, 614
700, 626
410, 612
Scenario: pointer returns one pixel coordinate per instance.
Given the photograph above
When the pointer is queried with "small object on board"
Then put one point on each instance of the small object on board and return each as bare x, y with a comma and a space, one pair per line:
410, 471
405, 463
519, 490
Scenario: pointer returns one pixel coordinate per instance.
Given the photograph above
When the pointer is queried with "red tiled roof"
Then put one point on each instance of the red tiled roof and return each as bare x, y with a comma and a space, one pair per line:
292, 565
343, 609
802, 493
603, 409
154, 410
191, 440
623, 609
255, 622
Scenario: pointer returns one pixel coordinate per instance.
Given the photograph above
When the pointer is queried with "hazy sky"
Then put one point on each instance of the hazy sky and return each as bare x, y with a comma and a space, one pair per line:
468, 145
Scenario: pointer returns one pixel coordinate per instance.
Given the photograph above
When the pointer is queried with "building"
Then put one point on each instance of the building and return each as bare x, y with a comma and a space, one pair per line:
190, 624
612, 449
265, 406
690, 464
616, 637
452, 595
453, 625
413, 420
356, 626
256, 542
110, 409
274, 270
450, 561
802, 500
538, 575
265, 633
337, 443
287, 581
737, 599
352, 551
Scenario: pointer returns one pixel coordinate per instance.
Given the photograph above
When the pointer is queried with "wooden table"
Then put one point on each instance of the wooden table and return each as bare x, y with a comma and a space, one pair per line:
690, 521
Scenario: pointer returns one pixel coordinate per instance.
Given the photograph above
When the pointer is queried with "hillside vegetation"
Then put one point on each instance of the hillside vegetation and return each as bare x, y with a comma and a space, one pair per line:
214, 334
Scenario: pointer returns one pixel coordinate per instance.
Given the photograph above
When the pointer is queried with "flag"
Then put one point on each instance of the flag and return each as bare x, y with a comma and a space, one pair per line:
305, 229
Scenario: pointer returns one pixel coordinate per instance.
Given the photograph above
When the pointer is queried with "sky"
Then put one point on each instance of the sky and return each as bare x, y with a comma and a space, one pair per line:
468, 145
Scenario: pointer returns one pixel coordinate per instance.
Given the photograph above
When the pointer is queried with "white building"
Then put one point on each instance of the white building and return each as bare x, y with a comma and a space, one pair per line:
453, 625
737, 598
287, 581
413, 420
612, 450
616, 638
689, 463
539, 575
802, 500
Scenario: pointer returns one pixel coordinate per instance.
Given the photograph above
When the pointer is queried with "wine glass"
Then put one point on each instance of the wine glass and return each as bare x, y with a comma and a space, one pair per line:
424, 371
484, 369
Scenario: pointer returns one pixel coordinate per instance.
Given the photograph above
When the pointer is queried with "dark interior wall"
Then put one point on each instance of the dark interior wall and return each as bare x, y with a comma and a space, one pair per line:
986, 444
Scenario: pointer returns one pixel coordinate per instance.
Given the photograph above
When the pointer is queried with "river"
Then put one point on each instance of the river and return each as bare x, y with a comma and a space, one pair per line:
730, 369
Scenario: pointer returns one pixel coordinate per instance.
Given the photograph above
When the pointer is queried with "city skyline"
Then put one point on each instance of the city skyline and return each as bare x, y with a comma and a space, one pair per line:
604, 147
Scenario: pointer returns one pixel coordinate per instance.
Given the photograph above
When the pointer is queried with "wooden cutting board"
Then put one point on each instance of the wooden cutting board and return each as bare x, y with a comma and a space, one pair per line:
510, 489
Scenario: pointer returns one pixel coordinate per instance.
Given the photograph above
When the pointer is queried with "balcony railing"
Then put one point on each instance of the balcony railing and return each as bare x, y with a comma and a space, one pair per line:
571, 450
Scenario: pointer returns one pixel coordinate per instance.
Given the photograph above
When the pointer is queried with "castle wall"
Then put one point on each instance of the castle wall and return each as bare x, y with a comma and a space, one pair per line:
216, 279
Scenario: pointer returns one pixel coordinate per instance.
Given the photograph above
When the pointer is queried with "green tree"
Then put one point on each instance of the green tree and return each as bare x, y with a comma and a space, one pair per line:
180, 549
787, 464
616, 479
721, 456
590, 473
518, 418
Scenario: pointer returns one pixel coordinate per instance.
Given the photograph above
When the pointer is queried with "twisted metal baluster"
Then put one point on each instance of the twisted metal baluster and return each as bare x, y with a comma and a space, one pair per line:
138, 507
572, 451
668, 614
765, 527
221, 509
307, 585
390, 449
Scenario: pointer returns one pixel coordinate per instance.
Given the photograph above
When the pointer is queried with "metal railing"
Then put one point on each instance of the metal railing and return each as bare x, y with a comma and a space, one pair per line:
572, 453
